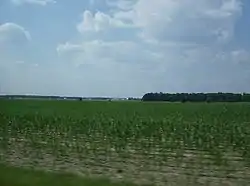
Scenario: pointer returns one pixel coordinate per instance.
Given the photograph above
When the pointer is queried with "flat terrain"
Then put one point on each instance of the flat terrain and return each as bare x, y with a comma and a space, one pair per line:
143, 143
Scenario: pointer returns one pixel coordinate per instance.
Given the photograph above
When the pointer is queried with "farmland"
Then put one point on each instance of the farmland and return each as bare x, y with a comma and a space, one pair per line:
144, 143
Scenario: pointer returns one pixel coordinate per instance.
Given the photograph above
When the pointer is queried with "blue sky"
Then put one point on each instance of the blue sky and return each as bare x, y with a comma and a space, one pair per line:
124, 47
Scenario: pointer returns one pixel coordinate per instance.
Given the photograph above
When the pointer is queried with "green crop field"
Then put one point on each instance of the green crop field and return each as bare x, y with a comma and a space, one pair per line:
144, 143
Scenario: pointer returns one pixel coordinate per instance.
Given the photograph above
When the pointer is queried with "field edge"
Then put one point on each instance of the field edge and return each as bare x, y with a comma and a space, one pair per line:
19, 176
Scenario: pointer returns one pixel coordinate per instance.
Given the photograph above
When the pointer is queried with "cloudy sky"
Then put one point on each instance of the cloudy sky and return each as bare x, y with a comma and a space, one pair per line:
124, 47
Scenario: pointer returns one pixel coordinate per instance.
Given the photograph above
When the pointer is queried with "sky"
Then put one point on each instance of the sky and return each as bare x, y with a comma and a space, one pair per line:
123, 48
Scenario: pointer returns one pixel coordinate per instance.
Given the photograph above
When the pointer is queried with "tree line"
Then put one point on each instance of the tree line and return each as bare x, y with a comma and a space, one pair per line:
197, 97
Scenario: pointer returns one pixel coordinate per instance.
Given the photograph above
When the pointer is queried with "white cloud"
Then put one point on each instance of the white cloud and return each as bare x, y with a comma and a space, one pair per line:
100, 52
68, 47
36, 2
14, 40
184, 20
98, 22
168, 20
12, 30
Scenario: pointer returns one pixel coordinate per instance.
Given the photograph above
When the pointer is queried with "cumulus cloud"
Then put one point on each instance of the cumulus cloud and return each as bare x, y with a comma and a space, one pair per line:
184, 20
107, 52
12, 30
68, 47
167, 25
97, 22
167, 20
14, 40
36, 2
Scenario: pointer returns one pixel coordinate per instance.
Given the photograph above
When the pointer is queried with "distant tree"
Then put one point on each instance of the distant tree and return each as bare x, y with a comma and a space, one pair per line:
246, 97
197, 97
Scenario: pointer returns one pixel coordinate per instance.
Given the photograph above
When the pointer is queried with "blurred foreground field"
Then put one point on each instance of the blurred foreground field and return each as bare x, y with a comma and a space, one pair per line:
139, 142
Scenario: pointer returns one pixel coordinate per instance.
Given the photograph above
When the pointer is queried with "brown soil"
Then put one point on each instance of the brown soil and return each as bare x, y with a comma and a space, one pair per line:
194, 168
